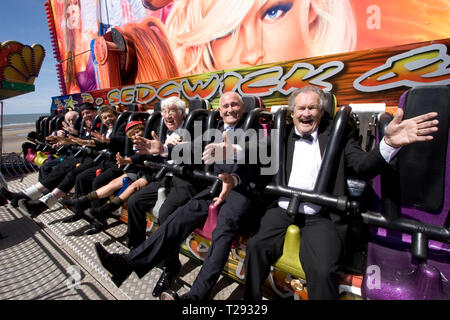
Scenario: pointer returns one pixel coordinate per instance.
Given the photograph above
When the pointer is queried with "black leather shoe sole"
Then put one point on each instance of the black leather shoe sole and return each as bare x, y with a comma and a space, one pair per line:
73, 218
169, 295
96, 228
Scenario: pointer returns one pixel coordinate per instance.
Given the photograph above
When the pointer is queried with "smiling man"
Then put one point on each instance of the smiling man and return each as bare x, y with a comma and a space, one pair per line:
234, 205
323, 230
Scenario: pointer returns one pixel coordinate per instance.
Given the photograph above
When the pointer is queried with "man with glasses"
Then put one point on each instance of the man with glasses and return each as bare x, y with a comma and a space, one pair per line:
234, 200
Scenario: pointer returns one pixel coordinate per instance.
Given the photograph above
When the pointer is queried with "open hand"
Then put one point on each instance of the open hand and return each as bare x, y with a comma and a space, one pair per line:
173, 140
69, 128
402, 132
218, 152
147, 146
99, 137
121, 161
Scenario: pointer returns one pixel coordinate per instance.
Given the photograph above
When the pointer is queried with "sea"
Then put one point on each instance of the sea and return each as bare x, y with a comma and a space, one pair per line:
20, 120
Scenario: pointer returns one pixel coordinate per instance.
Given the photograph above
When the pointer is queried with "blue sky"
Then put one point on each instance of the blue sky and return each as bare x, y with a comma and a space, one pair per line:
25, 21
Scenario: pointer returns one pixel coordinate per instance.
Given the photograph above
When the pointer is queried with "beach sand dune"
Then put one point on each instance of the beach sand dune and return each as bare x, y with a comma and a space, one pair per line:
14, 137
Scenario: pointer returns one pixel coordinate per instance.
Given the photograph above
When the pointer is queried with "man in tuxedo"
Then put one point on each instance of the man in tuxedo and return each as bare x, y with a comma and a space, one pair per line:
62, 174
234, 201
66, 179
323, 230
180, 189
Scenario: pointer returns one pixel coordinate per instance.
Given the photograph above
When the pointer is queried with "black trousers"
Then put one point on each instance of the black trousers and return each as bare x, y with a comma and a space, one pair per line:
177, 228
320, 249
138, 205
47, 167
87, 180
180, 192
63, 175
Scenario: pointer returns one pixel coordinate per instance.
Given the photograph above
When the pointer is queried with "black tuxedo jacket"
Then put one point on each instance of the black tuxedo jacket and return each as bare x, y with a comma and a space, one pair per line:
352, 160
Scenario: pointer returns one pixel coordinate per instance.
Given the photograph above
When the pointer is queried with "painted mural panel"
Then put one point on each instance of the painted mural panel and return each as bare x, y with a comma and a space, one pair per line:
375, 75
165, 39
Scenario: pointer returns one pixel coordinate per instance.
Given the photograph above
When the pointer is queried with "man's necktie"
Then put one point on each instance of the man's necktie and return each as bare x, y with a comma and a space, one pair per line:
306, 137
227, 128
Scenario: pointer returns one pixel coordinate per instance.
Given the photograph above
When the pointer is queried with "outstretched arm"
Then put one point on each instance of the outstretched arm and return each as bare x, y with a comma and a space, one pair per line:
403, 132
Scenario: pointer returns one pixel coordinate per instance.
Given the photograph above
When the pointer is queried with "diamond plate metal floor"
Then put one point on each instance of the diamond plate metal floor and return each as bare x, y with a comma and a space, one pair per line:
43, 258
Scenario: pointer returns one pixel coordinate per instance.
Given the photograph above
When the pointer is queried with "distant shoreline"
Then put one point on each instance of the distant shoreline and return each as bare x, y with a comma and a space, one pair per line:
22, 119
14, 136
18, 125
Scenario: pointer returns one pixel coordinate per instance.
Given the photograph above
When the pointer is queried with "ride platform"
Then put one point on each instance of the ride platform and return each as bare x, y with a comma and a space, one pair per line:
44, 259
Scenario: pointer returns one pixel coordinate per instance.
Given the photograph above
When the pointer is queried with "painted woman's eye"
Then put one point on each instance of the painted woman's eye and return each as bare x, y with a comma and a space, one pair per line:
276, 11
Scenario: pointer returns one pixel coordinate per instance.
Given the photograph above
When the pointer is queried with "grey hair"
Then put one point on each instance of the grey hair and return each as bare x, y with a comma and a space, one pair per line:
316, 90
181, 105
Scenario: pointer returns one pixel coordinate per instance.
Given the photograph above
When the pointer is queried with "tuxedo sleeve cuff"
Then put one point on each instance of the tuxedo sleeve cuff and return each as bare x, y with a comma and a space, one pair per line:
388, 152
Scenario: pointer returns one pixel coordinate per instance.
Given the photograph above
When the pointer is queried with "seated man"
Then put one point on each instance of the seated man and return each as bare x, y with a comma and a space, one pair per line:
173, 112
59, 172
139, 179
323, 230
68, 128
108, 115
234, 202
180, 189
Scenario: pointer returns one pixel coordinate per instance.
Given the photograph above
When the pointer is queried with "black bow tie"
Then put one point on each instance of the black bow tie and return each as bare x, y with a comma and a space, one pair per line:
307, 137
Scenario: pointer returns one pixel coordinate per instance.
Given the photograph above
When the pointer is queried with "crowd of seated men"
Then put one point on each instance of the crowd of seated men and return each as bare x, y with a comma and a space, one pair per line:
188, 200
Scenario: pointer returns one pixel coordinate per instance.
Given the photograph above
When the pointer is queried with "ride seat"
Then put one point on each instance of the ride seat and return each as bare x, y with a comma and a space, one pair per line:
409, 265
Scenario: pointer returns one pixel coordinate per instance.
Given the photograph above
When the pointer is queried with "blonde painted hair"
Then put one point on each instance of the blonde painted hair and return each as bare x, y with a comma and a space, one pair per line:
193, 24
153, 54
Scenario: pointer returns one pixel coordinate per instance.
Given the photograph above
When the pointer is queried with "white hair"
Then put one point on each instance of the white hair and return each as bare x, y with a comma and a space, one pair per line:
181, 105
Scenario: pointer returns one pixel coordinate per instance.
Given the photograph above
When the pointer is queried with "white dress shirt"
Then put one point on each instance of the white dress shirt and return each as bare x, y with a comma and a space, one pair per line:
305, 169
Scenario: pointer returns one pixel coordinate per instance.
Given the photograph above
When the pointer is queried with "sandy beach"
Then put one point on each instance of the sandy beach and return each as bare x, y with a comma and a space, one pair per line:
14, 136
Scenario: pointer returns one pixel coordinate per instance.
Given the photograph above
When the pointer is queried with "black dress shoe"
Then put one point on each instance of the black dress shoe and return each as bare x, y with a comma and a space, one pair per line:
104, 211
33, 207
96, 227
115, 263
13, 197
169, 295
77, 204
166, 280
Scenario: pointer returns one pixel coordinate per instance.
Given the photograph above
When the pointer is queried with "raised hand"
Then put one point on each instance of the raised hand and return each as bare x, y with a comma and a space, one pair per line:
218, 152
121, 161
173, 140
147, 146
99, 137
69, 128
401, 132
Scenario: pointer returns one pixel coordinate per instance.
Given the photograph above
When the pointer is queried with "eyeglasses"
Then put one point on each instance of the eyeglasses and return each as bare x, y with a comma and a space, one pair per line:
302, 109
170, 111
